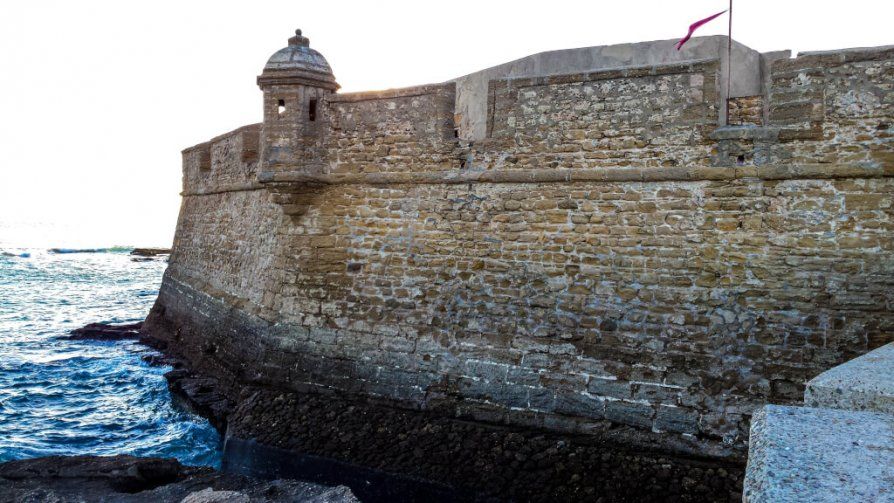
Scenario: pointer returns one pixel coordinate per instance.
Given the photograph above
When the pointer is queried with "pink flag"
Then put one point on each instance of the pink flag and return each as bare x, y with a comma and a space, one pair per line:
694, 26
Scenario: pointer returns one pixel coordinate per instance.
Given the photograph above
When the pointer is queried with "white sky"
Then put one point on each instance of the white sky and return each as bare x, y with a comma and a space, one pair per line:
97, 98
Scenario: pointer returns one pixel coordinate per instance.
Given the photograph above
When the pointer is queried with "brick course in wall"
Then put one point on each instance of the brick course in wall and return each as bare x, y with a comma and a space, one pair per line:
606, 254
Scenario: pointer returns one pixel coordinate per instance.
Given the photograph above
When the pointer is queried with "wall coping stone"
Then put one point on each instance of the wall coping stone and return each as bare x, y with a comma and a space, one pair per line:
249, 128
404, 92
691, 66
851, 52
820, 59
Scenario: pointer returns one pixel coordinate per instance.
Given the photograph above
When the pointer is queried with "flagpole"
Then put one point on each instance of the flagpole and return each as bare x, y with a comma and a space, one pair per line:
729, 59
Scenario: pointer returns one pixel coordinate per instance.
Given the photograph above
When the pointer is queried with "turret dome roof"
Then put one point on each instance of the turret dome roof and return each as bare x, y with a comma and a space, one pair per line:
298, 63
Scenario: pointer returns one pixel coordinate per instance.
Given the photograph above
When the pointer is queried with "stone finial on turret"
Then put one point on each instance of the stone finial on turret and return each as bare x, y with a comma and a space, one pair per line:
299, 40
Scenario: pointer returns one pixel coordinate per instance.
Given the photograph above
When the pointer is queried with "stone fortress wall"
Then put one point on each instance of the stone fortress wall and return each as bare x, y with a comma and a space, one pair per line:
603, 252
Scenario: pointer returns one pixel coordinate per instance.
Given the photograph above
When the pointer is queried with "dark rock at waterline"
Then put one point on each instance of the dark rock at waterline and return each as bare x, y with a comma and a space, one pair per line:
160, 360
18, 255
77, 250
133, 479
106, 332
201, 395
150, 252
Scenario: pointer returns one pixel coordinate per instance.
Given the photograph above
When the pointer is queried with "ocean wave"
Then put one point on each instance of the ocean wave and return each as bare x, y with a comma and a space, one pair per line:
83, 397
113, 249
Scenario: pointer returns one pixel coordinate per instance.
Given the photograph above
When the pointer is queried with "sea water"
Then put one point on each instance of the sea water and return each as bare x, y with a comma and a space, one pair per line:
60, 397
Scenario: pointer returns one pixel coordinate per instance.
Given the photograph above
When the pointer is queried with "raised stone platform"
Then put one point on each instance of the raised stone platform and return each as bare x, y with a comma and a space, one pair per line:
864, 383
820, 455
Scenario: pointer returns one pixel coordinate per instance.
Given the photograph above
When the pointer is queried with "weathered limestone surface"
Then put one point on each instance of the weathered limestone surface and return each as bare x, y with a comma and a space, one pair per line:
820, 455
864, 383
747, 110
605, 255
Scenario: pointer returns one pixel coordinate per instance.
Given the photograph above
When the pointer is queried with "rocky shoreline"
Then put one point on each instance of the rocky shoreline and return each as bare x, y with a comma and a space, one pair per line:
125, 478
106, 332
129, 479
384, 452
149, 254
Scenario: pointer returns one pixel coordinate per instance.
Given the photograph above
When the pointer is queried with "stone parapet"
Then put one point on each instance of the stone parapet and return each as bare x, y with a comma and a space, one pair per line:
226, 160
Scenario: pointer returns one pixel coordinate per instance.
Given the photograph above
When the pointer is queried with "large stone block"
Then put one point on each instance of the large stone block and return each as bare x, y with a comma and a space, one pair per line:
864, 383
819, 455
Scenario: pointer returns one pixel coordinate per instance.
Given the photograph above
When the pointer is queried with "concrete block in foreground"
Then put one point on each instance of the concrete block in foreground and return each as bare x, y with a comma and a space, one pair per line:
819, 455
864, 383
